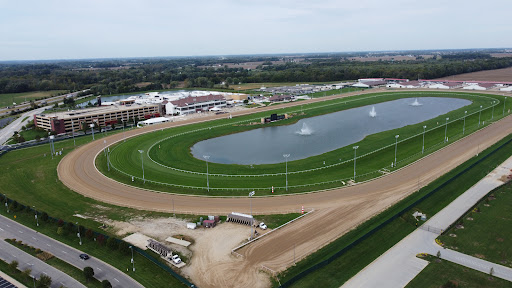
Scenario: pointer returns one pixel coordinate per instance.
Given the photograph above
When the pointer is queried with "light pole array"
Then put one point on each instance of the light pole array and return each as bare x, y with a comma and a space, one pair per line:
355, 149
78, 234
479, 115
423, 146
206, 157
286, 161
142, 162
396, 145
133, 262
35, 216
250, 204
464, 127
446, 129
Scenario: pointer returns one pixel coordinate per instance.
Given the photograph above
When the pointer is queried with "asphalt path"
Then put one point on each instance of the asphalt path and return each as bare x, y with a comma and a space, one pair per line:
9, 253
102, 270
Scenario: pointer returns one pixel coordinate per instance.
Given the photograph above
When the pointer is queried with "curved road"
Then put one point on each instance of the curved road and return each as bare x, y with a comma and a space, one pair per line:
337, 210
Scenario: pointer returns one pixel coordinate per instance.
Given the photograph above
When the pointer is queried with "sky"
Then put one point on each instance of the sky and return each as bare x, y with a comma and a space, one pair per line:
79, 29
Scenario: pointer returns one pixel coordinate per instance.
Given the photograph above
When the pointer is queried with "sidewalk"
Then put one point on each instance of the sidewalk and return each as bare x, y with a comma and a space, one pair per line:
399, 265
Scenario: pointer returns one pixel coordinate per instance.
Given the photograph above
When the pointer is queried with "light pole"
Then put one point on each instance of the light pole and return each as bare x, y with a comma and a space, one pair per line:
250, 204
6, 205
396, 145
52, 148
92, 129
105, 147
479, 115
446, 128
504, 101
133, 262
464, 127
78, 234
492, 115
423, 146
108, 159
355, 149
206, 157
35, 216
34, 280
142, 163
286, 160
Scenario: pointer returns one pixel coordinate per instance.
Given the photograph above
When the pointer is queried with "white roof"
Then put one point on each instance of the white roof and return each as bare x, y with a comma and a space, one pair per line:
361, 85
509, 88
155, 120
215, 109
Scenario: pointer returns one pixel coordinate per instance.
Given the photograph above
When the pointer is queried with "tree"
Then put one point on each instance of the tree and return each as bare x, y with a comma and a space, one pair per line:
106, 284
124, 248
44, 281
89, 234
88, 273
60, 231
27, 273
100, 239
112, 243
13, 266
44, 216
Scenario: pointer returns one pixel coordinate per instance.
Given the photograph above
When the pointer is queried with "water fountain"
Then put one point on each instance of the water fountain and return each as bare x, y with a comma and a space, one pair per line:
372, 112
305, 130
416, 103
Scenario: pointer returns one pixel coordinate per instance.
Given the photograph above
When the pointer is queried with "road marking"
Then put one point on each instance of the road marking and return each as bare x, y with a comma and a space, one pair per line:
45, 273
48, 245
64, 252
62, 283
99, 269
20, 231
33, 237
7, 225
116, 279
1, 229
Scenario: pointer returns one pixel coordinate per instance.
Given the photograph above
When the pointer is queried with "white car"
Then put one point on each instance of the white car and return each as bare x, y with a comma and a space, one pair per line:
176, 259
263, 226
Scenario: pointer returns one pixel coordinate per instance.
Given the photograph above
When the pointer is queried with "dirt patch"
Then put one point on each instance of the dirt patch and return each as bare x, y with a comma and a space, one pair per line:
211, 263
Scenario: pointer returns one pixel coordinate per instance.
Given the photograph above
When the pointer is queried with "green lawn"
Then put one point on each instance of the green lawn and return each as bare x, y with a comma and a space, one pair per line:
8, 99
359, 256
31, 134
174, 151
440, 272
488, 235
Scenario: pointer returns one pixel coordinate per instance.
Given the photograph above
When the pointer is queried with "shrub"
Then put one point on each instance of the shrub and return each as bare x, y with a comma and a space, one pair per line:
124, 248
106, 284
60, 223
69, 226
44, 281
13, 266
44, 216
100, 239
112, 243
60, 231
89, 234
88, 273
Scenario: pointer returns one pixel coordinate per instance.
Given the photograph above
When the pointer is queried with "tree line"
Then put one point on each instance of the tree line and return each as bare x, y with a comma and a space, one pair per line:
121, 76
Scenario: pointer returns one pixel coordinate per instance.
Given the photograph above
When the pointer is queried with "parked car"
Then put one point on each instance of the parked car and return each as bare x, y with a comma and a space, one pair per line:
263, 226
176, 259
84, 256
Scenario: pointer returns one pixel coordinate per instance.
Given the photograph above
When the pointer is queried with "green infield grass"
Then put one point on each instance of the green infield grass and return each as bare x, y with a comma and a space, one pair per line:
170, 167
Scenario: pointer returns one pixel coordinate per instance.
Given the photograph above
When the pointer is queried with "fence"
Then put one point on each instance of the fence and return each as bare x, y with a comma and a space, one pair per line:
380, 226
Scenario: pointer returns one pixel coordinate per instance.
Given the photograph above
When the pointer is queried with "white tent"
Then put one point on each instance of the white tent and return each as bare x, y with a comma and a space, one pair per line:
361, 85
474, 87
506, 89
438, 86
152, 121
215, 109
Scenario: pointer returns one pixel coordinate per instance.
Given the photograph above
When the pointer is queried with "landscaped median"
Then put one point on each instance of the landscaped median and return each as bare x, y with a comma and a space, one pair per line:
334, 264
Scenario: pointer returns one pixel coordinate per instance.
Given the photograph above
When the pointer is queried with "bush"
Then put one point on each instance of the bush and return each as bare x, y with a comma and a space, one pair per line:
13, 266
60, 231
69, 227
100, 239
60, 223
124, 248
44, 216
112, 243
88, 273
106, 284
44, 281
89, 234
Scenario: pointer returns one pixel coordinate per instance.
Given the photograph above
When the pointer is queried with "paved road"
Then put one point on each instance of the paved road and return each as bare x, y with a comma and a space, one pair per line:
399, 265
10, 253
102, 270
7, 131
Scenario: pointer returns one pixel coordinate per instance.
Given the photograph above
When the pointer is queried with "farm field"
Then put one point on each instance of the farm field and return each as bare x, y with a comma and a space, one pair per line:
167, 148
8, 99
504, 74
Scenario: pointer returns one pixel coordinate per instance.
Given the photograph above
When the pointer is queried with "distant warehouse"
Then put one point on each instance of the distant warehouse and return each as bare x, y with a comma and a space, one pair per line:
74, 120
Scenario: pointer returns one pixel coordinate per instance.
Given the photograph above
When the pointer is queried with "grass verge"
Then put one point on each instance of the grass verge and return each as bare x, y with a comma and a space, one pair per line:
442, 273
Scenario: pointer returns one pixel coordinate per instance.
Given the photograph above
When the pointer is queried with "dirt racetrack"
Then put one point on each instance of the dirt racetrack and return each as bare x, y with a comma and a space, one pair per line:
336, 211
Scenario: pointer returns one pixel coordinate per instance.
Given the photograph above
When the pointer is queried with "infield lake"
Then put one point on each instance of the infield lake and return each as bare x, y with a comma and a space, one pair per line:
317, 135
